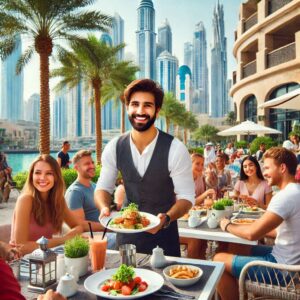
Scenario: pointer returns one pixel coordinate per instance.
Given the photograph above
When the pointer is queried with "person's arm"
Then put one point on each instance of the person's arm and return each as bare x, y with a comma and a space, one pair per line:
208, 193
120, 195
58, 159
80, 216
257, 230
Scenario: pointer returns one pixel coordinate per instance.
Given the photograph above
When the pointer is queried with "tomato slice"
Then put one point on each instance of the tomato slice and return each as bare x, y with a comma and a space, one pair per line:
131, 284
126, 290
105, 288
137, 280
143, 286
117, 285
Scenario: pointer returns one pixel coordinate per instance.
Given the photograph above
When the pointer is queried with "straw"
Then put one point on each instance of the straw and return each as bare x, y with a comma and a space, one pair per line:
105, 229
91, 231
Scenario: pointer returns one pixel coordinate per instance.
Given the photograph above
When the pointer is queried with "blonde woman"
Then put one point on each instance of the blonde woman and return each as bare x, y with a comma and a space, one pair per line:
41, 208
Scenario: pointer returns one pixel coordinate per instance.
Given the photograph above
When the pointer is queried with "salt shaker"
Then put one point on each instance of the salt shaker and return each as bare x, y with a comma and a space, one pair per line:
194, 219
158, 259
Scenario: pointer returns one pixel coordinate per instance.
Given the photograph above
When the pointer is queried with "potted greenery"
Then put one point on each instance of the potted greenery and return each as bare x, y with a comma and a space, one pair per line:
228, 204
218, 210
76, 255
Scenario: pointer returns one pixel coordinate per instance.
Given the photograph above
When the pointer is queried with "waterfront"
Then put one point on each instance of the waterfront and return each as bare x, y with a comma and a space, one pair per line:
21, 161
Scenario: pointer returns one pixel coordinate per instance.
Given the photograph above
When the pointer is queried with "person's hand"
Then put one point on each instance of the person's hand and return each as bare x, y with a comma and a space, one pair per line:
105, 212
10, 252
51, 295
223, 223
162, 218
210, 193
73, 232
208, 202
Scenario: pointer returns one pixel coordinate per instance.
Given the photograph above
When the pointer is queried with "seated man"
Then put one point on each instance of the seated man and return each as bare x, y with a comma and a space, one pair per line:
281, 220
80, 194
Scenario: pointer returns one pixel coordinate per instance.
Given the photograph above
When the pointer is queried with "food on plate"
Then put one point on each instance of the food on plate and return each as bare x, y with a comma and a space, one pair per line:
243, 221
183, 272
251, 208
124, 282
130, 218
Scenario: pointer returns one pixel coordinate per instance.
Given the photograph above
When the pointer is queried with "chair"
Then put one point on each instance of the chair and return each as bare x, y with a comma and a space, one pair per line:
285, 282
5, 233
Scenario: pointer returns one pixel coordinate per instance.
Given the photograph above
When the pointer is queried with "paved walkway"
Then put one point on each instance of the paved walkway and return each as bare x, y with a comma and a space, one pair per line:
7, 209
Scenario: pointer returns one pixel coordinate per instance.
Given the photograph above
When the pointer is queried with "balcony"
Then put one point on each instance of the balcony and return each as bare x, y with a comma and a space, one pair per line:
249, 69
250, 22
281, 55
274, 5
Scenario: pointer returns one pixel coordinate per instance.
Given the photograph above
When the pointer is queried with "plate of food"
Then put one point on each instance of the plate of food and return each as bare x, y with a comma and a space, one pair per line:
243, 221
124, 282
252, 210
130, 220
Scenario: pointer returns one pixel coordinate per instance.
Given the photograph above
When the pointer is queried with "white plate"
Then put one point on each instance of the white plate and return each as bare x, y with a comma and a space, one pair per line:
237, 221
93, 283
154, 221
253, 212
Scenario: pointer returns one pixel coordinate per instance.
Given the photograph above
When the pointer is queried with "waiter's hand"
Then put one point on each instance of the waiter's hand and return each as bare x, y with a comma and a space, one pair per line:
105, 212
162, 218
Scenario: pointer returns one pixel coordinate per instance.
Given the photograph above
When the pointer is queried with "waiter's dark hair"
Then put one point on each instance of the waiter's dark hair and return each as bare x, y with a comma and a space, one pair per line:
145, 85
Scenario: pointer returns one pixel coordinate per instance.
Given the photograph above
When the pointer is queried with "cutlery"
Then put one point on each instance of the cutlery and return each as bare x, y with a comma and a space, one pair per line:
144, 260
237, 215
169, 291
159, 294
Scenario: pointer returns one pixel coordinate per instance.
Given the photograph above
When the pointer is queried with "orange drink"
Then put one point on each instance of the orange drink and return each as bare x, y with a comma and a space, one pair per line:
98, 252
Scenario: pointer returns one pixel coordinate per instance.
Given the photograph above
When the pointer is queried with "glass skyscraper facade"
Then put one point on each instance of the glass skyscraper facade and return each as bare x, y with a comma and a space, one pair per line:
32, 108
188, 55
184, 86
164, 37
219, 100
200, 70
12, 86
146, 40
59, 125
118, 34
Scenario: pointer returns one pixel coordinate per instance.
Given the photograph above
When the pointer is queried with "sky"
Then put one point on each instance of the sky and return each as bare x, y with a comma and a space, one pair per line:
182, 15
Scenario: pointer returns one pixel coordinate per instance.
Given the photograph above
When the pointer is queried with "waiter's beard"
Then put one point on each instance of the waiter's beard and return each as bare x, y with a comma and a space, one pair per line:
141, 126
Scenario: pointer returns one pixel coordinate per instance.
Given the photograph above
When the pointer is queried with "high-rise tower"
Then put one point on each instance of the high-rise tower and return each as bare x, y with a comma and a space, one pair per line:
164, 37
12, 86
146, 36
200, 70
118, 34
219, 102
188, 54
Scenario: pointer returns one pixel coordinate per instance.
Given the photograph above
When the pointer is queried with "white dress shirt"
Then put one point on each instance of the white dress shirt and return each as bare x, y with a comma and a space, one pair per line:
179, 164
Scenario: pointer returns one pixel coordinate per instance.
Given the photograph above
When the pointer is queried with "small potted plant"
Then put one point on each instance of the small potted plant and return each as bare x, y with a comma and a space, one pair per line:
76, 255
218, 210
228, 204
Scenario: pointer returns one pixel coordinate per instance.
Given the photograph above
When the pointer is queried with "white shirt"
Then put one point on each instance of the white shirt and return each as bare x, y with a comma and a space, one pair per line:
289, 145
209, 155
286, 204
179, 164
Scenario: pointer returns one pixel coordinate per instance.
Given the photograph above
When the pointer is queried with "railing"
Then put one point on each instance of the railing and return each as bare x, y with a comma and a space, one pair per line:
281, 55
249, 69
250, 22
274, 5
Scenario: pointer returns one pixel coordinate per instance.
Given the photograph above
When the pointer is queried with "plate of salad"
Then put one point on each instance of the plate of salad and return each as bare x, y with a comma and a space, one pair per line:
130, 220
124, 282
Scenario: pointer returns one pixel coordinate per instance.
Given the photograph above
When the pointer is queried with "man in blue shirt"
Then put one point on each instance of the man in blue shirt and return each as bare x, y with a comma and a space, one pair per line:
80, 194
63, 157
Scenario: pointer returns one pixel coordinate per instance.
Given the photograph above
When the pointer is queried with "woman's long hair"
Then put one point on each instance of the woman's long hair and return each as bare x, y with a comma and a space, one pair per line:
259, 174
55, 205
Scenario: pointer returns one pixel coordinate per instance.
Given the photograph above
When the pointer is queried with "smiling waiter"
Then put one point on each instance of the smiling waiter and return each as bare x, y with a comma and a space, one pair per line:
156, 169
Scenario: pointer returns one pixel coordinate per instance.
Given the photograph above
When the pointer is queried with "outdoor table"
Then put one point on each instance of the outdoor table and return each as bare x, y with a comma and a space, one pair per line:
213, 236
202, 290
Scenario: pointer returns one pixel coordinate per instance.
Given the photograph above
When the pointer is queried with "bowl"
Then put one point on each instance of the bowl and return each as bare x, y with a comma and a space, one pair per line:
182, 282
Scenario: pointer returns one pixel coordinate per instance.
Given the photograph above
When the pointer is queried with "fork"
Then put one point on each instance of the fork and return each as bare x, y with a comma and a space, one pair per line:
237, 215
159, 294
170, 291
143, 260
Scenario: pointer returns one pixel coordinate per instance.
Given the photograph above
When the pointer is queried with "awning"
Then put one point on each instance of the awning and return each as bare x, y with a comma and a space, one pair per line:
290, 100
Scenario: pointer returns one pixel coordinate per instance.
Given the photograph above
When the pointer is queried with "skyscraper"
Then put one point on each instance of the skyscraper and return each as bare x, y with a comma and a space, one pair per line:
164, 36
219, 102
146, 39
32, 108
200, 70
166, 67
188, 55
59, 115
12, 86
184, 86
118, 34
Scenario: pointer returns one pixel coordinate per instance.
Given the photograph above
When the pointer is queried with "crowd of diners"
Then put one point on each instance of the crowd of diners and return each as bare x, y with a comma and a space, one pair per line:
163, 178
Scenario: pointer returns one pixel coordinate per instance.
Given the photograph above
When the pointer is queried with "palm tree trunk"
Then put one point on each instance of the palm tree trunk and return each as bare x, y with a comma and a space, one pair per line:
185, 136
167, 125
96, 86
122, 117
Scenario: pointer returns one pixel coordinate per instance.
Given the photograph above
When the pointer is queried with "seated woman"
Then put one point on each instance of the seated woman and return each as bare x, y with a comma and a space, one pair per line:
41, 208
252, 187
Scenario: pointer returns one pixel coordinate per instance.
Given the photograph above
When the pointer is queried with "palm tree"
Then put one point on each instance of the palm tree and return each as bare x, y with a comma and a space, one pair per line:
114, 88
43, 23
189, 123
206, 132
94, 63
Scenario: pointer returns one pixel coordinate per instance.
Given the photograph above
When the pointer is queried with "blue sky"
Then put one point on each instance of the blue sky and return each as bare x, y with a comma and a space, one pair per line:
182, 16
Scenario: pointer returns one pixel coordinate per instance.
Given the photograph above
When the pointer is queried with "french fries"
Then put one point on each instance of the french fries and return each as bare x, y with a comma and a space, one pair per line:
183, 272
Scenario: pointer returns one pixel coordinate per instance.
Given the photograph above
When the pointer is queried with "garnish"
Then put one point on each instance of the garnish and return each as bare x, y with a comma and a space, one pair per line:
124, 274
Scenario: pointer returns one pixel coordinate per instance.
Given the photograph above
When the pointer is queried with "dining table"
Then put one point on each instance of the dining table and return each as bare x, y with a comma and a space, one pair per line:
202, 290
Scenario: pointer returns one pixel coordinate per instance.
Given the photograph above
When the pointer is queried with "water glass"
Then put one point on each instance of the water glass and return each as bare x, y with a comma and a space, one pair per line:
128, 254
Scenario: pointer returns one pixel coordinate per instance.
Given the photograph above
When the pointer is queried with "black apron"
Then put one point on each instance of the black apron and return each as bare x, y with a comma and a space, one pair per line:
153, 193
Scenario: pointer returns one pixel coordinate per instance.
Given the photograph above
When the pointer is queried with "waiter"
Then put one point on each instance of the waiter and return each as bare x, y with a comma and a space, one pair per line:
156, 169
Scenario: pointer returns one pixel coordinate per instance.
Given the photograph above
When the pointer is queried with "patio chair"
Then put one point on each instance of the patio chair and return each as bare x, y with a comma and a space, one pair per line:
5, 233
269, 281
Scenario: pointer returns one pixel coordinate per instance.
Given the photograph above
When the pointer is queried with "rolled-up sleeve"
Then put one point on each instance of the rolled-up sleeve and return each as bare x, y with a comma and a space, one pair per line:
180, 167
109, 171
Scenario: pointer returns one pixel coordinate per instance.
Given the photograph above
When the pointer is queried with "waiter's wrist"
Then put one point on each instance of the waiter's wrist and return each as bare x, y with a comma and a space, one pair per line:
167, 221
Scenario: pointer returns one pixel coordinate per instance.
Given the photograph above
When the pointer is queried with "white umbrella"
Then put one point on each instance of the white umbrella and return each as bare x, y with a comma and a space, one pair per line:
248, 128
290, 100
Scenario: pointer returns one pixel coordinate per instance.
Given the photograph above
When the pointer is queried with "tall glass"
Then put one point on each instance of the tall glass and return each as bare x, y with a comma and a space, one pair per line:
98, 248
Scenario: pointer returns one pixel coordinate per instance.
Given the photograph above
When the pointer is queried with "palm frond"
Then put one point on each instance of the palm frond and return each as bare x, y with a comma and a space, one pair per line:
7, 46
10, 25
24, 59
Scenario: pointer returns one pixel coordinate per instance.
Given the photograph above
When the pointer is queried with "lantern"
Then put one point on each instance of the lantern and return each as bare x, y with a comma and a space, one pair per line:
42, 268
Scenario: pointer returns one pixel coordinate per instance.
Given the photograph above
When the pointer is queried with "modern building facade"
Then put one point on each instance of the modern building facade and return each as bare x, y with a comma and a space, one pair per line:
146, 40
118, 34
166, 67
267, 51
60, 116
164, 38
184, 86
12, 86
188, 55
200, 70
32, 108
218, 96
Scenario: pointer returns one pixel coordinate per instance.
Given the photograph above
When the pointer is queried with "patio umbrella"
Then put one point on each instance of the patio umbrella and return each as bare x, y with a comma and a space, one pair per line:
248, 128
